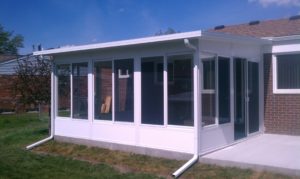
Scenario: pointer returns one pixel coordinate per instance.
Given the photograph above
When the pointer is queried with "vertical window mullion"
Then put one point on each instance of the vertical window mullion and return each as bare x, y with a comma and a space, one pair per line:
113, 90
165, 86
71, 89
216, 90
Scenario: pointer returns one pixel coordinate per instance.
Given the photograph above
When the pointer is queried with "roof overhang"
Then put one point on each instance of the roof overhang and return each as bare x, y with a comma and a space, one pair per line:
122, 43
283, 38
234, 38
217, 36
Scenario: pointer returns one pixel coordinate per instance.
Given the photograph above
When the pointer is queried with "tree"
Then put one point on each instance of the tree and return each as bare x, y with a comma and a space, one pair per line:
33, 82
168, 31
9, 43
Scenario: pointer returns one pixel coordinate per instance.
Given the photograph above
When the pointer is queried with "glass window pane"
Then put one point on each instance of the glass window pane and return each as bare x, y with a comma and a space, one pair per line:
253, 93
224, 89
208, 109
80, 93
208, 91
123, 70
63, 91
152, 91
103, 90
288, 71
209, 74
239, 98
180, 91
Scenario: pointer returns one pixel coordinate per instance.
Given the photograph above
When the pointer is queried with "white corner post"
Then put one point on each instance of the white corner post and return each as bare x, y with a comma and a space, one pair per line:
194, 159
29, 147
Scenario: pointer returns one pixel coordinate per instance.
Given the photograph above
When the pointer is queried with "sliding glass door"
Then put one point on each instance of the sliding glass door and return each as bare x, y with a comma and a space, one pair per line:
253, 96
239, 98
246, 97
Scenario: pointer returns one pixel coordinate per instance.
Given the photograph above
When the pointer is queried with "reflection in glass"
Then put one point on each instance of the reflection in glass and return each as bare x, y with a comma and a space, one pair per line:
208, 91
253, 93
103, 90
63, 91
239, 98
123, 70
152, 91
80, 93
180, 90
224, 89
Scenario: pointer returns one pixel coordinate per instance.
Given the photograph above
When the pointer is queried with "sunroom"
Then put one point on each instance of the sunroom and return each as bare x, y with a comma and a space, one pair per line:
188, 93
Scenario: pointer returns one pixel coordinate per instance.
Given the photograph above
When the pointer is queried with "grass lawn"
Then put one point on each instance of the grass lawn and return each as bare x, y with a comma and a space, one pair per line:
62, 160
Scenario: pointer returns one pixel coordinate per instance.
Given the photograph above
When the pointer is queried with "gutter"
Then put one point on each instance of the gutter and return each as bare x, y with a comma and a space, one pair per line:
31, 146
195, 157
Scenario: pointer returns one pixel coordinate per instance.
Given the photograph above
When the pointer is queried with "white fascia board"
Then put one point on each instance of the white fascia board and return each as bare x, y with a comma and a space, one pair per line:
285, 49
283, 38
284, 44
234, 38
122, 43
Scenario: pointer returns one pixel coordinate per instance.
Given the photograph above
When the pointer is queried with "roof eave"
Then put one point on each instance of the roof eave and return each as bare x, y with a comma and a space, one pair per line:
122, 43
235, 38
283, 38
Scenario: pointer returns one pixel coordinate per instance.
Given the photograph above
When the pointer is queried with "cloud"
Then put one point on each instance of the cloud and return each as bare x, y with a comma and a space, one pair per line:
266, 3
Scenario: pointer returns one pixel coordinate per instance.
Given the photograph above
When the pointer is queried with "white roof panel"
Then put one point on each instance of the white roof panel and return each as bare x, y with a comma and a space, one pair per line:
138, 41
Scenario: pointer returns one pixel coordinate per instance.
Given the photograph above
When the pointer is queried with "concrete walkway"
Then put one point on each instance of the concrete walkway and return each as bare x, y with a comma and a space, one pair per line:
270, 152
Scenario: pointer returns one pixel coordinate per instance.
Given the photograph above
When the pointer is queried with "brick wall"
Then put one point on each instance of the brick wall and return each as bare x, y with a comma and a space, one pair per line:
7, 101
282, 111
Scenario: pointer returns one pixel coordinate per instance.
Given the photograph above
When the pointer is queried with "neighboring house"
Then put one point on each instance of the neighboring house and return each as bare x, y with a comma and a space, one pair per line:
8, 100
188, 93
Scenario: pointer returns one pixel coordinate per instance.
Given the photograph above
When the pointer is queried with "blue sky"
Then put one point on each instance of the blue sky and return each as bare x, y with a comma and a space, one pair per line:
54, 23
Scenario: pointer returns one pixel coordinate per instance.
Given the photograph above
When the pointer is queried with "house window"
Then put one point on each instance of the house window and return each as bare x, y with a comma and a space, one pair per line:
103, 90
63, 91
209, 91
124, 99
152, 90
80, 90
288, 72
180, 91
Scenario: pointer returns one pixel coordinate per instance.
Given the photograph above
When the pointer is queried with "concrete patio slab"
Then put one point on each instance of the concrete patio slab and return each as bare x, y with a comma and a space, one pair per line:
269, 152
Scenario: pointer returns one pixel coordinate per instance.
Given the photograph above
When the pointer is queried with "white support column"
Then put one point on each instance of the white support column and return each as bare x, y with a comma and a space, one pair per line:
137, 97
90, 95
197, 100
200, 87
113, 90
53, 97
165, 85
71, 90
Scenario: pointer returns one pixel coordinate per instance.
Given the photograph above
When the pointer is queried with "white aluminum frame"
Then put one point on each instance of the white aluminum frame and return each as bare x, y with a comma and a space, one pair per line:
216, 90
183, 53
56, 90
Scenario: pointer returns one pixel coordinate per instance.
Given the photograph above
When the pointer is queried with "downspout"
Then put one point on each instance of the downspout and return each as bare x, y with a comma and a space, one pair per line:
195, 157
29, 147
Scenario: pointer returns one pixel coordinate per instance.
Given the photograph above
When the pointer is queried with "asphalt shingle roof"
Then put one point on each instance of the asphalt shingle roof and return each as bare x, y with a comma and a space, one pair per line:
268, 28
